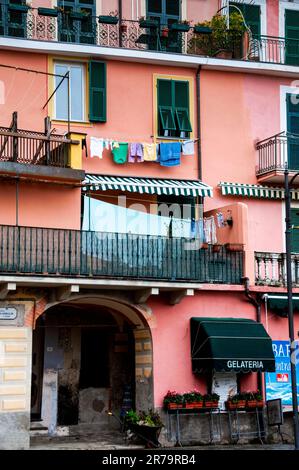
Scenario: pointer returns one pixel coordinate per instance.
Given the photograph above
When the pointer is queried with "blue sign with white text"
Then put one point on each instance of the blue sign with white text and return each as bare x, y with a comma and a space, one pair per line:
278, 383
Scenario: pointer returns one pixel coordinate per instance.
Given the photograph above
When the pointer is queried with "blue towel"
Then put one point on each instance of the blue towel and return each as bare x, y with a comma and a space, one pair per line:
170, 154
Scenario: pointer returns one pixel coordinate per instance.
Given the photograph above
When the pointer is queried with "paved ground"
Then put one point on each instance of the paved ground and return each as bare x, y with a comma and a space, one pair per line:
115, 441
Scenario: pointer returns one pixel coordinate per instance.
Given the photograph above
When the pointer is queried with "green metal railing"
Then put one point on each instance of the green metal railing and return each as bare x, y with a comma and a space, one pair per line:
47, 251
275, 50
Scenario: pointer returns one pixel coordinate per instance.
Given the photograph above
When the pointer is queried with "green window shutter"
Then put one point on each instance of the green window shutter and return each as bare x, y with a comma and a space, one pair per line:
181, 104
166, 120
292, 37
97, 92
295, 230
293, 132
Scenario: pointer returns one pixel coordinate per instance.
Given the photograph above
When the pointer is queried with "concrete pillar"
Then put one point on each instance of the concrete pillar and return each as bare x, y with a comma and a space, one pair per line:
15, 377
144, 369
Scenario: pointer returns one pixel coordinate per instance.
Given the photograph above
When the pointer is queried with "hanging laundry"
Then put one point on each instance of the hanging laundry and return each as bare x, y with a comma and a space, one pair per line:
210, 231
170, 154
135, 153
188, 147
158, 153
108, 144
220, 220
200, 231
193, 227
96, 147
150, 152
120, 152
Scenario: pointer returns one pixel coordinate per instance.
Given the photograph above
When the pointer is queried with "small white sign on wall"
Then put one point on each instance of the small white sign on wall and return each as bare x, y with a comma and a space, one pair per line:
225, 384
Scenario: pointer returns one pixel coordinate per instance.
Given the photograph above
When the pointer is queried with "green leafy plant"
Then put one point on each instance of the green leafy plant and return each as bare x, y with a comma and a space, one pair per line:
214, 397
221, 38
193, 397
149, 418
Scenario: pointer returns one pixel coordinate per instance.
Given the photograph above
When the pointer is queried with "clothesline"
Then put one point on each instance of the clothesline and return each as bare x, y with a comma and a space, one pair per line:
167, 154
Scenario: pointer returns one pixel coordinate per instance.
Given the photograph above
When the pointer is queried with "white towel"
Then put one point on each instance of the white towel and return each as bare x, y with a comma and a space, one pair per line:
96, 147
188, 147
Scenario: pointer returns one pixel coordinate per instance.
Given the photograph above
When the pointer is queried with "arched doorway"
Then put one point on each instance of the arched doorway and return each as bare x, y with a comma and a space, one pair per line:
92, 356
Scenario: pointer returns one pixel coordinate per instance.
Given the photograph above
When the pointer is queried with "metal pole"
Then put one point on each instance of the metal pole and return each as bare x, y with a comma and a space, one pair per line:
290, 305
68, 104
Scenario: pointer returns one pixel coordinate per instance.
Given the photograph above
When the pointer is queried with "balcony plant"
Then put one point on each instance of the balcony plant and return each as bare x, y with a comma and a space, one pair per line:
111, 18
146, 425
237, 401
147, 23
251, 400
220, 42
193, 399
181, 26
173, 400
52, 12
211, 400
164, 31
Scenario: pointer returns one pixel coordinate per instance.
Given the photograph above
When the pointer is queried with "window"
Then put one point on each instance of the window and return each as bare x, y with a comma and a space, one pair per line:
173, 108
165, 13
77, 92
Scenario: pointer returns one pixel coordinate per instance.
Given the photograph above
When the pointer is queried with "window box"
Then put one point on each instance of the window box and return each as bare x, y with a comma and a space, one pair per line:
20, 8
202, 29
108, 19
148, 24
48, 12
182, 27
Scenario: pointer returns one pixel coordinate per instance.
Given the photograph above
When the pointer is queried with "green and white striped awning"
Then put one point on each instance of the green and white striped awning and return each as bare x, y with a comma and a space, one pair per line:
146, 185
254, 190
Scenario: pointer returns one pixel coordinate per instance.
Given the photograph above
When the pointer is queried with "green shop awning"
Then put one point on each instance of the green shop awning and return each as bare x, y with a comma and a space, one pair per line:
279, 304
230, 344
146, 185
255, 191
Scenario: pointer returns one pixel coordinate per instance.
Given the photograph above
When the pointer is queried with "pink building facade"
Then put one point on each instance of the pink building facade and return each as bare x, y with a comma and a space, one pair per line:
98, 284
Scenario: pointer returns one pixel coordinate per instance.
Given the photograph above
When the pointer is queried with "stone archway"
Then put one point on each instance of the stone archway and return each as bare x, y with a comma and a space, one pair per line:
138, 318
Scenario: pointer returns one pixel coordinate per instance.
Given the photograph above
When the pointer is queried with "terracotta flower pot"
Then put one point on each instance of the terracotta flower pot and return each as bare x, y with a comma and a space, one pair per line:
211, 404
231, 406
174, 406
260, 403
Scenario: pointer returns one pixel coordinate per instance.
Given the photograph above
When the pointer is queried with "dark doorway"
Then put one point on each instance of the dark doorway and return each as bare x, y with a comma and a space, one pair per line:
38, 339
94, 358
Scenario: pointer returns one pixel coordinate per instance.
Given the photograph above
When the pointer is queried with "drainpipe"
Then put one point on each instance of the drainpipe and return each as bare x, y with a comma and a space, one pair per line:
257, 305
120, 16
198, 122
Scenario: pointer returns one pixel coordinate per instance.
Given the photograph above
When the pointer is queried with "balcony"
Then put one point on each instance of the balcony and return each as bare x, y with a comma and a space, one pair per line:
275, 154
64, 27
270, 269
59, 252
34, 154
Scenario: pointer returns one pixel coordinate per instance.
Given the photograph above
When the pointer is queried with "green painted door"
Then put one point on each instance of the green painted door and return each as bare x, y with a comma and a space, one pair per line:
295, 230
13, 23
165, 12
292, 37
293, 132
251, 13
74, 30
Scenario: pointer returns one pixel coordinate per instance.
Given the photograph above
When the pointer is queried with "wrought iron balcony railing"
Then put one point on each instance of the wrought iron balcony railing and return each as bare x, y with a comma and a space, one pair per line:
270, 269
33, 148
129, 34
278, 152
59, 252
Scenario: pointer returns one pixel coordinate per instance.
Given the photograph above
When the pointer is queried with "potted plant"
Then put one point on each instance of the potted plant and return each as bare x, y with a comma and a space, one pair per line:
234, 247
52, 12
203, 28
147, 23
217, 247
232, 402
23, 8
211, 400
111, 18
250, 400
193, 399
173, 400
164, 31
146, 425
259, 399
123, 27
182, 26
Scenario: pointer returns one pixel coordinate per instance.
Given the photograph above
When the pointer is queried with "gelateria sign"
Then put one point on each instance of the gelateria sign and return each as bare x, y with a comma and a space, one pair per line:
245, 364
8, 313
